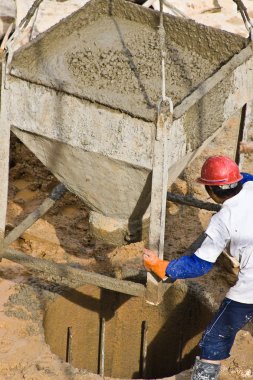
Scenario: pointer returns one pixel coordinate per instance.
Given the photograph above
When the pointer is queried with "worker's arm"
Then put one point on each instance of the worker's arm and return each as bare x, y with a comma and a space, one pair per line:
184, 267
246, 178
188, 267
198, 264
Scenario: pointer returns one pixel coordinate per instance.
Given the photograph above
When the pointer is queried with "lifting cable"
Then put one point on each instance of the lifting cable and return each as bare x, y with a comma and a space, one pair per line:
164, 98
25, 21
173, 9
22, 25
162, 47
160, 157
245, 16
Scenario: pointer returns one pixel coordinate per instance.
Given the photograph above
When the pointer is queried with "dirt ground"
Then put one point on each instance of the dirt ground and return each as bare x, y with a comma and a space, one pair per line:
62, 235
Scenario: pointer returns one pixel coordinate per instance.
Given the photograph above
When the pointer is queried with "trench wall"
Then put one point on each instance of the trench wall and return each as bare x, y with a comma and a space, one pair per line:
173, 330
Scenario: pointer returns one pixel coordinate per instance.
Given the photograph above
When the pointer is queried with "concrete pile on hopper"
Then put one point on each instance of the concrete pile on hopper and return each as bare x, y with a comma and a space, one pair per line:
82, 96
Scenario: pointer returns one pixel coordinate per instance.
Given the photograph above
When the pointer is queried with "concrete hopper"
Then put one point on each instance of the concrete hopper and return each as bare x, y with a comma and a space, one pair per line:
82, 96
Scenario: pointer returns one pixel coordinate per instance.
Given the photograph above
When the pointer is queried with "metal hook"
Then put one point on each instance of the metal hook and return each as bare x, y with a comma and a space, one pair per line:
164, 101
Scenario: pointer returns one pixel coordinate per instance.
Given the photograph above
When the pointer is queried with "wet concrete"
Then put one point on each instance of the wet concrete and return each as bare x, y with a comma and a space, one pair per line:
109, 52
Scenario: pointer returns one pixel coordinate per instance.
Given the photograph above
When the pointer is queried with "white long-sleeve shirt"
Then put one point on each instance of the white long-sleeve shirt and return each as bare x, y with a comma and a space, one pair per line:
233, 226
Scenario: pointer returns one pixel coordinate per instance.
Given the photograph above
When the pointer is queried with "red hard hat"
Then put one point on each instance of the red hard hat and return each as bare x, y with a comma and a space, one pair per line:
219, 170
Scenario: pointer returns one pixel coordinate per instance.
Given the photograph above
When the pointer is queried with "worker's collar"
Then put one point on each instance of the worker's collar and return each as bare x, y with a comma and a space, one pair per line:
246, 185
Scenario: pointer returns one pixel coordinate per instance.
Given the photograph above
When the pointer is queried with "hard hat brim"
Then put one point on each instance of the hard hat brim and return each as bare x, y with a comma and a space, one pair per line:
224, 181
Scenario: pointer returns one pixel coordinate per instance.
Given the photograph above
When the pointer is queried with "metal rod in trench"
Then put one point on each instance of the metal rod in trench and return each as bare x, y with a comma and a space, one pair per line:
101, 355
144, 349
69, 345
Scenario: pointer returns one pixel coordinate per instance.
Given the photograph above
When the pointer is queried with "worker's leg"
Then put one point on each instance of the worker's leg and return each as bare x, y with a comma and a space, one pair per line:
219, 337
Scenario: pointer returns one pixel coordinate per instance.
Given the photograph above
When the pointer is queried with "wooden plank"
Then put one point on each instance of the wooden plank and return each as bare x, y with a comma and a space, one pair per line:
67, 272
241, 133
212, 81
245, 123
56, 194
4, 156
159, 189
158, 203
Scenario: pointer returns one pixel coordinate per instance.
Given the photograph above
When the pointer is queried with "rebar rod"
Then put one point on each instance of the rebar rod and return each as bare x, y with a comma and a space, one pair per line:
144, 349
101, 369
69, 345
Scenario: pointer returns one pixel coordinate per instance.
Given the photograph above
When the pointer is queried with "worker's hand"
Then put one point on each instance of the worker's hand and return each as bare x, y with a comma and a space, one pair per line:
246, 147
150, 259
154, 264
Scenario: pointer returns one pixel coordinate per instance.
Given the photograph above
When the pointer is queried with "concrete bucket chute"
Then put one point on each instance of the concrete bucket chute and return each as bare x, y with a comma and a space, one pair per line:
82, 96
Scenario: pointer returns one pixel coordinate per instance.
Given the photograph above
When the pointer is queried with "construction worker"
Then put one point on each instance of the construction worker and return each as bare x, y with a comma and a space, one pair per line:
233, 226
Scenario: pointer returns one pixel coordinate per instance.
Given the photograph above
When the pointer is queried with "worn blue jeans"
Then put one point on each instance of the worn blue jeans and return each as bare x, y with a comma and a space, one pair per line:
219, 336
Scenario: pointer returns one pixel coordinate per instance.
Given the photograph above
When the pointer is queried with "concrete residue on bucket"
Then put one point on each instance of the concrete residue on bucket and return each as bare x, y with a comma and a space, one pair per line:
95, 77
172, 331
119, 68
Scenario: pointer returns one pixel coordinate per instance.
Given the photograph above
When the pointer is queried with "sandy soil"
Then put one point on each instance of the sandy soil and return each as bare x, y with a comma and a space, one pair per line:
63, 236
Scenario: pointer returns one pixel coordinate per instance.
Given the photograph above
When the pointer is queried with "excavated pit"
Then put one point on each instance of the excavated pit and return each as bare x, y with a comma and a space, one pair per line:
169, 333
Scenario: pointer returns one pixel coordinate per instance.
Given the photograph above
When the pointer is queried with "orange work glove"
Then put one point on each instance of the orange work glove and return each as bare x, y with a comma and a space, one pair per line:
154, 264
